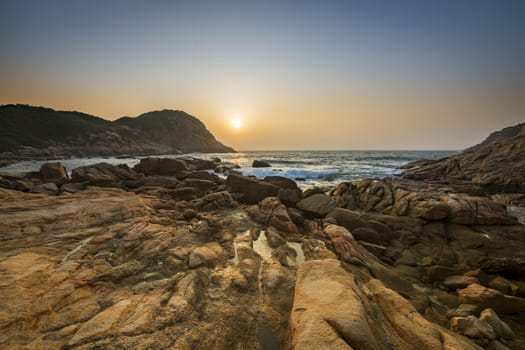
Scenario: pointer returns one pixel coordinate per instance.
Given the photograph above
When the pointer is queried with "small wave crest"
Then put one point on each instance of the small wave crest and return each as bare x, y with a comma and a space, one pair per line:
293, 173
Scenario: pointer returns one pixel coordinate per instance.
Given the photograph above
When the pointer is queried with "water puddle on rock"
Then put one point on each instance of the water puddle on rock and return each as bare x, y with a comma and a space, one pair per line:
299, 254
517, 212
243, 240
261, 246
267, 337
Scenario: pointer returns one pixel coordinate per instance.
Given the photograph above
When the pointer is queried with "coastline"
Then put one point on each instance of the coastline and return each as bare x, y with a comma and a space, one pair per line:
156, 248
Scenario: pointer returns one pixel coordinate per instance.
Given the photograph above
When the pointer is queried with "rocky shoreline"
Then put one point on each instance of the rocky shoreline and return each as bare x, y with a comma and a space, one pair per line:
169, 255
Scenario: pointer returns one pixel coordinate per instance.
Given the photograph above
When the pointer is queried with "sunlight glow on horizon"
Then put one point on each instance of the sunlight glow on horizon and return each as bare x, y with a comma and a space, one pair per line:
368, 75
236, 123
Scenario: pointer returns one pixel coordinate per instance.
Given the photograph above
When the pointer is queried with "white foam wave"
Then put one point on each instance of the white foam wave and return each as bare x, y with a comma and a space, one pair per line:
291, 173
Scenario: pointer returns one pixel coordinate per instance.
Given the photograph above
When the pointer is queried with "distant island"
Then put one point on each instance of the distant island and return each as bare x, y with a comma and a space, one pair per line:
28, 132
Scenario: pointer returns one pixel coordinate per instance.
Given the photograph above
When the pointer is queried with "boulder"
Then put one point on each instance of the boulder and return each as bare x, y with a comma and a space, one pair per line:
472, 327
155, 181
184, 193
438, 273
217, 200
366, 234
23, 185
54, 172
347, 218
333, 310
103, 174
458, 282
72, 188
289, 197
203, 175
260, 164
46, 188
202, 185
509, 265
252, 191
463, 310
161, 166
502, 330
282, 182
326, 302
504, 285
317, 205
425, 201
271, 212
490, 298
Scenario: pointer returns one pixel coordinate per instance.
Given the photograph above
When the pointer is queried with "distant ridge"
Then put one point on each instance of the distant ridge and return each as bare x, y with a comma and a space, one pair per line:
38, 132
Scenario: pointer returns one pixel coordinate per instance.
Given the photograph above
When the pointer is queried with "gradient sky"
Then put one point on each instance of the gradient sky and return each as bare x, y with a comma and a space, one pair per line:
369, 74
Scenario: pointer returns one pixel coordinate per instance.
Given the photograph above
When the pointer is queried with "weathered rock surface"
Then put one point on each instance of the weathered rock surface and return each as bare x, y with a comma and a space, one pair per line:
53, 172
334, 310
251, 190
164, 256
317, 205
490, 298
271, 212
260, 164
425, 201
497, 164
103, 174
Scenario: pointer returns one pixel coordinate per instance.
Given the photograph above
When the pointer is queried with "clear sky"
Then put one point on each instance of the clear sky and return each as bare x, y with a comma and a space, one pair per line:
304, 74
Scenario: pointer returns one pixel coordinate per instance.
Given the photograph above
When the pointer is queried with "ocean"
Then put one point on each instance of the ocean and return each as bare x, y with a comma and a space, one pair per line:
308, 168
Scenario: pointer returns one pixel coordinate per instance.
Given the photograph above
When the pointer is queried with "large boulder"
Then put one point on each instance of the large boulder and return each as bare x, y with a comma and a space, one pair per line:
271, 212
54, 172
501, 328
103, 174
348, 218
251, 190
46, 188
429, 202
289, 193
260, 164
318, 205
160, 166
490, 298
333, 310
282, 182
472, 327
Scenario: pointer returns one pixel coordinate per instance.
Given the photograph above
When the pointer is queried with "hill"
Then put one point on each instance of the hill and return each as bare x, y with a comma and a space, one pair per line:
37, 132
497, 164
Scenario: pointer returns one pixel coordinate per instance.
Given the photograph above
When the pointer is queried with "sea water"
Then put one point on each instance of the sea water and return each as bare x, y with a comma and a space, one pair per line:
308, 168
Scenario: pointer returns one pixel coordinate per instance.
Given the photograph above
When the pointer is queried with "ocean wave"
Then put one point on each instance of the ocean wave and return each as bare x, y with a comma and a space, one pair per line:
291, 173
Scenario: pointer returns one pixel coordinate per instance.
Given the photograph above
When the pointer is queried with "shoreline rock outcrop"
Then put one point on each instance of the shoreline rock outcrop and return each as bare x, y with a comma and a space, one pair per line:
170, 255
496, 165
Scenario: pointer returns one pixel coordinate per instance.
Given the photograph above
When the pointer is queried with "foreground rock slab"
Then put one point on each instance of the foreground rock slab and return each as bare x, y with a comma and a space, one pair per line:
334, 310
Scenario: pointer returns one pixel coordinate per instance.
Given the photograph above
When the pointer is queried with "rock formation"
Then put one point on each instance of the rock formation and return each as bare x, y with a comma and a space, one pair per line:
186, 254
170, 256
497, 164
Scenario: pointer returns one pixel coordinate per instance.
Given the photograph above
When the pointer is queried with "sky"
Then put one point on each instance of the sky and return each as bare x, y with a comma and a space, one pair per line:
312, 75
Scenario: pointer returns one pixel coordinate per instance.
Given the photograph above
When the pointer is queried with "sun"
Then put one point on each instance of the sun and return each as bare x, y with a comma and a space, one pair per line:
236, 123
